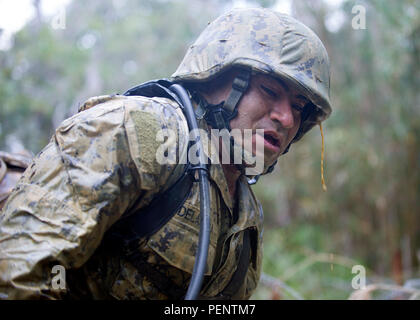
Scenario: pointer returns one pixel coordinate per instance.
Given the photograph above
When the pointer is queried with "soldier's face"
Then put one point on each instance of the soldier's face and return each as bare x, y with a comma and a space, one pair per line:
270, 105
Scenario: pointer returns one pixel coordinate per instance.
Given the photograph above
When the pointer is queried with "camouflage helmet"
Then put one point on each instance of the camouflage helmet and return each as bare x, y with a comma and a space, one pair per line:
267, 42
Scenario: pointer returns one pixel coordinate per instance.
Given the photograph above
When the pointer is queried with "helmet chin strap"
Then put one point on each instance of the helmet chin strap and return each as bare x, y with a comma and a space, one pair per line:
218, 116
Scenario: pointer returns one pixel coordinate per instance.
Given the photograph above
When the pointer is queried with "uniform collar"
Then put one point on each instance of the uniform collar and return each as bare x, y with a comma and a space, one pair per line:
247, 205
249, 211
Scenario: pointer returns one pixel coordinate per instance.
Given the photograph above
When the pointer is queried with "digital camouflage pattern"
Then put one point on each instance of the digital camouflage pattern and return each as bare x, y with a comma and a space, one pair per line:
267, 42
97, 164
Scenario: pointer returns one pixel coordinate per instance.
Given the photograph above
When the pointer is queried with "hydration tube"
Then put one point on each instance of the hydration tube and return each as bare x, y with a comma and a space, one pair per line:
203, 179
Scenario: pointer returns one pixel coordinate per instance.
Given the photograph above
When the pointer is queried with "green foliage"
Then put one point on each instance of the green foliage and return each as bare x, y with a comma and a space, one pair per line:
298, 256
106, 47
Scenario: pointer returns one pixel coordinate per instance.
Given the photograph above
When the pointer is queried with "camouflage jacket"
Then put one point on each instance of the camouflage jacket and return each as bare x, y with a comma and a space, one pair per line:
96, 165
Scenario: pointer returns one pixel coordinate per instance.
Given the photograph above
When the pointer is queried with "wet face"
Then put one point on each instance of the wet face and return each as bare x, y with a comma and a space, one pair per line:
270, 105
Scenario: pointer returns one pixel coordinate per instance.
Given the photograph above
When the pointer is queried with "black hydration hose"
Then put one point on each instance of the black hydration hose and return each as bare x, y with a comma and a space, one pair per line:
204, 237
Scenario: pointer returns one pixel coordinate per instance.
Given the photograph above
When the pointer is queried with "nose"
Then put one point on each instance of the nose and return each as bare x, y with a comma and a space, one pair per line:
282, 112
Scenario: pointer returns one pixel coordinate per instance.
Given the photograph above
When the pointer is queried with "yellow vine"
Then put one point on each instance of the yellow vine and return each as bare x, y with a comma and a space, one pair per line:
324, 186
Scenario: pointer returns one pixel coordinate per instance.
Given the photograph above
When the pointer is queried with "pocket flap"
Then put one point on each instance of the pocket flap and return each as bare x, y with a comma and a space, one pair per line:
177, 242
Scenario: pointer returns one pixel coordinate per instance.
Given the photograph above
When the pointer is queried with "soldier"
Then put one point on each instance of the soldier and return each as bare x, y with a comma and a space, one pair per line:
249, 69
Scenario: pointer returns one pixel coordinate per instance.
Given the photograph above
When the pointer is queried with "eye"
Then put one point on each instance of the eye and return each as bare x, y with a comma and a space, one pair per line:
298, 107
300, 103
270, 92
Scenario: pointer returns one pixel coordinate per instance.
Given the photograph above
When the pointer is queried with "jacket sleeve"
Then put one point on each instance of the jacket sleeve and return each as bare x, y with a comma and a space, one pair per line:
96, 165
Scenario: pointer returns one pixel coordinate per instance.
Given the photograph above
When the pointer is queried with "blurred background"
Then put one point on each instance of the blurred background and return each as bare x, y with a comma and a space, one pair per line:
56, 54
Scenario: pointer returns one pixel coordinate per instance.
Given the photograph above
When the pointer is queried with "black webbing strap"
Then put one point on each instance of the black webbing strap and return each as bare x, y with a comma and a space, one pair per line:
240, 273
154, 88
218, 116
146, 221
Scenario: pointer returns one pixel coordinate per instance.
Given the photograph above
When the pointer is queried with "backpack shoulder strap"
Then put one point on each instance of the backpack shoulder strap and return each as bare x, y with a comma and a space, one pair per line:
146, 221
154, 88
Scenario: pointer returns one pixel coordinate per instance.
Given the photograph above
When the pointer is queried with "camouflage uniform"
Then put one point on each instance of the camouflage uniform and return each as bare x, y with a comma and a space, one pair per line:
102, 160
97, 164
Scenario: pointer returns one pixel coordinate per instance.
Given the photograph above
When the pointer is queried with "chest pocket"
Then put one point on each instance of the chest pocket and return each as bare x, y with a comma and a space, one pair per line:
177, 241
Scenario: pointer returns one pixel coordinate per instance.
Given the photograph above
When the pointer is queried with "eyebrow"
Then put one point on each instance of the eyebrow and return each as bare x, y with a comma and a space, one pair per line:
300, 96
286, 87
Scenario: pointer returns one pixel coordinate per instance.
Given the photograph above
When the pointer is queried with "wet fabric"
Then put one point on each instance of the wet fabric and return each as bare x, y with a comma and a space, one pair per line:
96, 166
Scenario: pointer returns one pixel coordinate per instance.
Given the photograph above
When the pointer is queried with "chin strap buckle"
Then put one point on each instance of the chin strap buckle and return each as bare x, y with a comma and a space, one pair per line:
239, 86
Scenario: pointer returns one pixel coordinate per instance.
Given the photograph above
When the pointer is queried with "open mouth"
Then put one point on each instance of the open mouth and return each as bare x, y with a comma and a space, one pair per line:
270, 138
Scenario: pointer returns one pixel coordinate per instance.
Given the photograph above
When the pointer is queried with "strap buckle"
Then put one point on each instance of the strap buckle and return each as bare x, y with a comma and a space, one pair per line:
241, 81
